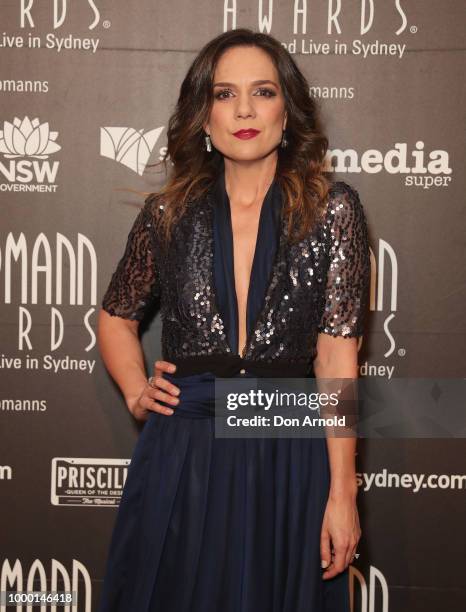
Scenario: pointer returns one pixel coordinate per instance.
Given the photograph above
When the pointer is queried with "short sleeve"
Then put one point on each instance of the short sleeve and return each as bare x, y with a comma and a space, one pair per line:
348, 257
135, 283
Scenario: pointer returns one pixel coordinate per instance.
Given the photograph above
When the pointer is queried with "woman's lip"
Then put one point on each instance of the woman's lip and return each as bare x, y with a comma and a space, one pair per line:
245, 134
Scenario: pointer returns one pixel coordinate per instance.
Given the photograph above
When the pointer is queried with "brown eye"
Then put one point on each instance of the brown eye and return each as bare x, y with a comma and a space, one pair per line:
219, 95
266, 92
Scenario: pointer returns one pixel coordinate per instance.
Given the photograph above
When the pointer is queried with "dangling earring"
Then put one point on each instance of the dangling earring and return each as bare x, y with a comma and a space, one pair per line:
284, 141
208, 143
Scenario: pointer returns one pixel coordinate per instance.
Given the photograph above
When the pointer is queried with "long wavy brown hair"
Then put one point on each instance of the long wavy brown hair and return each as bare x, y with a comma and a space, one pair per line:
300, 166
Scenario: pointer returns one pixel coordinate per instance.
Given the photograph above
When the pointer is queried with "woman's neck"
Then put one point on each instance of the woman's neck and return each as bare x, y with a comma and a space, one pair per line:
248, 182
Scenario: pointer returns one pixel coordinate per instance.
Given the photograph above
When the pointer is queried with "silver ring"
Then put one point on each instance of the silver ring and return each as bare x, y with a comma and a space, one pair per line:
150, 380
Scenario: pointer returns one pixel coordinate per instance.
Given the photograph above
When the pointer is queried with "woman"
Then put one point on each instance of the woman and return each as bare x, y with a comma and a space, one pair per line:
261, 268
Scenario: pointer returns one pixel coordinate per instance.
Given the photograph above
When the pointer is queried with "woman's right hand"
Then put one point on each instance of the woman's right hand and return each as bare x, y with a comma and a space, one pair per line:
160, 389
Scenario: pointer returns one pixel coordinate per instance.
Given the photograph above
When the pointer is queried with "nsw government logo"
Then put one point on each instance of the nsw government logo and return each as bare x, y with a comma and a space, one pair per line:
78, 481
26, 146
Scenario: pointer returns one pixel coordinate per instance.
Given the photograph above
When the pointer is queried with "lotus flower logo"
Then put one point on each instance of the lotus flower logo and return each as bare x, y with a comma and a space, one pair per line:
128, 146
27, 138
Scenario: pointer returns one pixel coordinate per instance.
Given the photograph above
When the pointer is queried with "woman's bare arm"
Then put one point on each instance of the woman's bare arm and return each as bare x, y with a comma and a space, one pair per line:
337, 359
122, 354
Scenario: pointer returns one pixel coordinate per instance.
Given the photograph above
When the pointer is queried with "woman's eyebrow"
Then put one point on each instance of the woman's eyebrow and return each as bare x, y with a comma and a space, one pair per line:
260, 82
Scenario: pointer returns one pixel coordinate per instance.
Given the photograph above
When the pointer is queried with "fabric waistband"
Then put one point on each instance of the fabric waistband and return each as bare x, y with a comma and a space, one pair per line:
197, 394
226, 365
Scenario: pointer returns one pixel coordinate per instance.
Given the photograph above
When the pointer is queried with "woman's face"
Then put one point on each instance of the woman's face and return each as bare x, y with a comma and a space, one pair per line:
247, 96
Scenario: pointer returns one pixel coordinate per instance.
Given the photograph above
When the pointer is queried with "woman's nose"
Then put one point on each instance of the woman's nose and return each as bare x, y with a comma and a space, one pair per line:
245, 107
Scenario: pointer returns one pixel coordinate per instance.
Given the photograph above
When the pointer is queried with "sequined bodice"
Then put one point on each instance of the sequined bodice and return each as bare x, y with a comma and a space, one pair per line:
319, 284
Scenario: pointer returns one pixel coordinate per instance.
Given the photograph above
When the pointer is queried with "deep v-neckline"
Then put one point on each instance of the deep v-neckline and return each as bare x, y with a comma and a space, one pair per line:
253, 273
268, 201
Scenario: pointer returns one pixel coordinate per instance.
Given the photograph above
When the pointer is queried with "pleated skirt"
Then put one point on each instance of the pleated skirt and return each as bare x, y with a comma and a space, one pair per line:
209, 524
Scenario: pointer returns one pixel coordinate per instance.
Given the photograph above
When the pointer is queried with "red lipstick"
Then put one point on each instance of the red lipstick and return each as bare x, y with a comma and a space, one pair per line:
246, 134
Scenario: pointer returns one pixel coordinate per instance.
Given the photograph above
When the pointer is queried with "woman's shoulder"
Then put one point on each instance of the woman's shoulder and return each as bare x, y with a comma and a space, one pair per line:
344, 216
153, 204
172, 225
341, 190
344, 202
153, 211
156, 204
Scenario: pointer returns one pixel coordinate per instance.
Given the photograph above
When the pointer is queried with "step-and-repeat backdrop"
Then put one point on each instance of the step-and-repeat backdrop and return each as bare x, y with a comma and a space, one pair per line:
86, 90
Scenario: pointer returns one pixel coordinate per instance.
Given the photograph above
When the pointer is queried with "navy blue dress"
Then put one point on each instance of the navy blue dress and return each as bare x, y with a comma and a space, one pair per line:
210, 524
